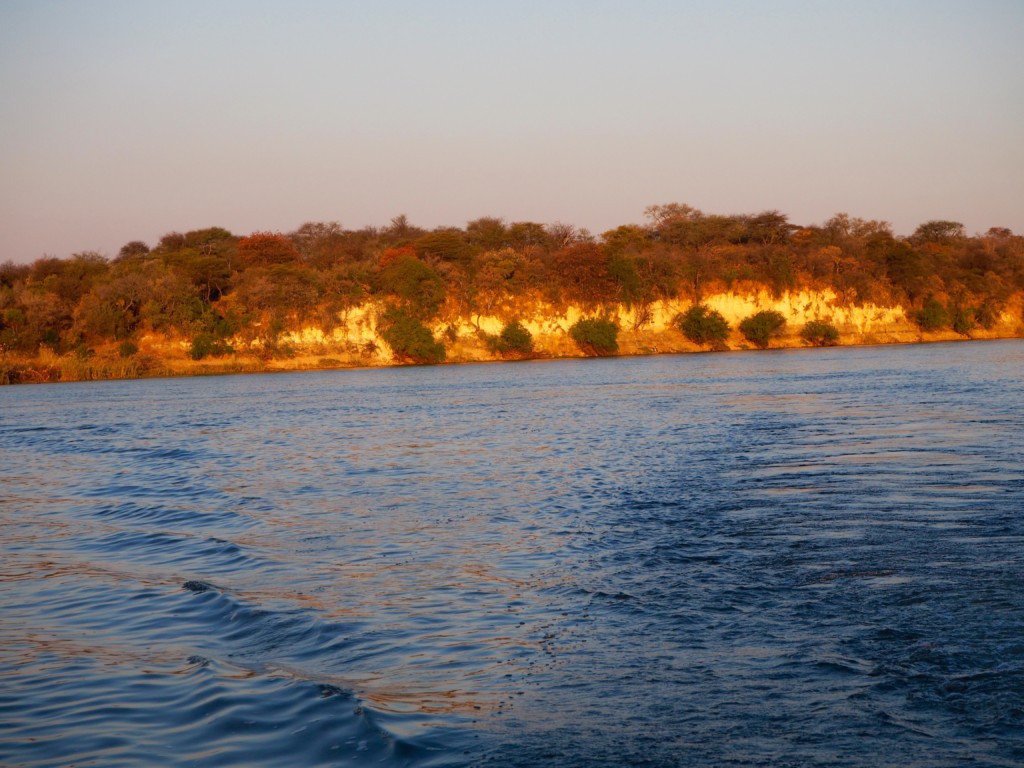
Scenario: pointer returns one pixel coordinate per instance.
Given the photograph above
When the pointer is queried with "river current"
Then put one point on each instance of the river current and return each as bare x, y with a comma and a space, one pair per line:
794, 558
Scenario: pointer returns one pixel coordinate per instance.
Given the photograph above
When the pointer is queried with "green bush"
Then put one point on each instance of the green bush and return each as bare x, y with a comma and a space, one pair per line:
932, 316
986, 315
417, 285
409, 339
13, 317
963, 321
703, 325
820, 333
514, 339
208, 345
761, 328
595, 336
221, 326
10, 373
202, 346
127, 348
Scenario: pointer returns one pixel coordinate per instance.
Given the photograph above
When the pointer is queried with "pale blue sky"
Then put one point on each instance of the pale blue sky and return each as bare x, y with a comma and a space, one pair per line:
126, 119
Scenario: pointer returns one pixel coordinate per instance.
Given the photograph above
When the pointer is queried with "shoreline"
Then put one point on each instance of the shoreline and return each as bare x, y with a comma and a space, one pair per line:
248, 364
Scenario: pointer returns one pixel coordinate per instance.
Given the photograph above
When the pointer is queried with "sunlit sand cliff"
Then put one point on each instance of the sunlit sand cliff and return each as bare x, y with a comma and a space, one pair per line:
355, 341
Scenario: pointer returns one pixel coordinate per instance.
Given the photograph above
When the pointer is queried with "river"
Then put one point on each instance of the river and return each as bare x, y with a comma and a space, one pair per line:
794, 558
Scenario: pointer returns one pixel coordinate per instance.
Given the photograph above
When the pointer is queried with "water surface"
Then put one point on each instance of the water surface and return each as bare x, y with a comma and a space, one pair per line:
787, 558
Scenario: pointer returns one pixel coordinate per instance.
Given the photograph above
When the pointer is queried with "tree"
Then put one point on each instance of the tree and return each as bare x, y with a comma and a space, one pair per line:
1000, 233
768, 228
527, 234
703, 325
445, 244
487, 233
673, 223
623, 273
583, 271
208, 240
628, 238
113, 309
905, 268
322, 245
265, 248
173, 303
132, 249
208, 273
663, 215
843, 227
938, 231
561, 235
400, 231
281, 290
499, 275
759, 329
418, 286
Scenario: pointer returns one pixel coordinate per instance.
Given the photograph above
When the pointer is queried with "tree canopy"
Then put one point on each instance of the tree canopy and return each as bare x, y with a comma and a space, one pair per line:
212, 284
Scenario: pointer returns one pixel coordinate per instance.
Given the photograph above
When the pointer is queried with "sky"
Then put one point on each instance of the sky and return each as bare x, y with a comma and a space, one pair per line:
123, 120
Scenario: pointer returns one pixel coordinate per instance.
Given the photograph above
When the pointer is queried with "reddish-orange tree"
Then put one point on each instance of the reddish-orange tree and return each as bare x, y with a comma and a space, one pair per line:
266, 248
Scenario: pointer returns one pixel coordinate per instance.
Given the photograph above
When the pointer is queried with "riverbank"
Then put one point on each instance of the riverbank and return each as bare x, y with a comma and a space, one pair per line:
355, 341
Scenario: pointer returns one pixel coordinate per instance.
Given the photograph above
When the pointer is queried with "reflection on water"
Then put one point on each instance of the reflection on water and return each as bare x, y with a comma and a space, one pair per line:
802, 558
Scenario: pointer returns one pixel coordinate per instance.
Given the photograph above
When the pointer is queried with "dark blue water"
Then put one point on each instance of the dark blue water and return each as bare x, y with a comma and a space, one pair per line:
805, 558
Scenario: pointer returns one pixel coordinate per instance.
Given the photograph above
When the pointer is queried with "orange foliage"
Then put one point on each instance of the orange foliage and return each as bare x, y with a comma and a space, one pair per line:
391, 255
265, 248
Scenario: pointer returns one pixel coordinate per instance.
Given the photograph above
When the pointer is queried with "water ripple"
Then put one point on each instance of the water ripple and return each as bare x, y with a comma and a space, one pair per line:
799, 558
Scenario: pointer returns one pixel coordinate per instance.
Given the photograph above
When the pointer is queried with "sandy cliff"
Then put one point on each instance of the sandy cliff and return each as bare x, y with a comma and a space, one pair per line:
355, 341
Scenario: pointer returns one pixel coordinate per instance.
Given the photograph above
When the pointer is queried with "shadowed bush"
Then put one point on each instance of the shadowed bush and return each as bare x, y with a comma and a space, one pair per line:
820, 333
514, 340
963, 321
703, 325
761, 328
208, 345
595, 336
127, 348
986, 315
932, 316
409, 339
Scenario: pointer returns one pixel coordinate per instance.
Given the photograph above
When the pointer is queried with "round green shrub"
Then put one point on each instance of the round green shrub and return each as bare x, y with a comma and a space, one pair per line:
761, 328
208, 345
703, 325
409, 339
595, 336
514, 339
820, 333
932, 316
963, 321
127, 348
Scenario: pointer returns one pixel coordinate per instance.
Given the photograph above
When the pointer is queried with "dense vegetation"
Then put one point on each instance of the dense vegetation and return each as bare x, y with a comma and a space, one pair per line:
214, 290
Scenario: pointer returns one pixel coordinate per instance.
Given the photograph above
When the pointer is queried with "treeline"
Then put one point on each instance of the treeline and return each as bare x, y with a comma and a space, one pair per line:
212, 288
